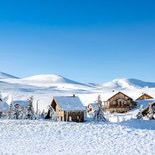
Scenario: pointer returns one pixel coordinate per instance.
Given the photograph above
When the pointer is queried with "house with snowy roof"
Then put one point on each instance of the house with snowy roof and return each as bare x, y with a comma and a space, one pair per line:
67, 108
119, 102
144, 96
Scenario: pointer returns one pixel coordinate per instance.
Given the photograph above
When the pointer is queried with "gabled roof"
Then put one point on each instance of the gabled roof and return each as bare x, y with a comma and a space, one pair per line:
145, 95
69, 103
117, 94
144, 103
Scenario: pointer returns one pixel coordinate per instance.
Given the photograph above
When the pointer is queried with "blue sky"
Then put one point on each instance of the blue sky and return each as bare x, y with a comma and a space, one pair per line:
85, 40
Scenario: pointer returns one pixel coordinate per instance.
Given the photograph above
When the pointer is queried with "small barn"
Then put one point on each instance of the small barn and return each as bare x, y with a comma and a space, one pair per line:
119, 102
144, 97
68, 108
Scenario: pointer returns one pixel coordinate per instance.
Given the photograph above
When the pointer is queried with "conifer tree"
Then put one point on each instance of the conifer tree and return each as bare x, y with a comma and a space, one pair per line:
99, 113
150, 112
30, 110
1, 105
139, 115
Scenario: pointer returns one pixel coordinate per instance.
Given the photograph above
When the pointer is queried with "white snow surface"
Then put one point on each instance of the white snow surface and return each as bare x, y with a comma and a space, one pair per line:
61, 138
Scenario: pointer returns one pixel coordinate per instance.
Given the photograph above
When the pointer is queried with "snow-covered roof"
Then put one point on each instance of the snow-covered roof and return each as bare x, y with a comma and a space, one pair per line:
20, 102
144, 103
3, 106
69, 103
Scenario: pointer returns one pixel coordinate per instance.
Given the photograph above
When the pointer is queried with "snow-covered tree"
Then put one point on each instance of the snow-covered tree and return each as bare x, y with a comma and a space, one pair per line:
51, 113
139, 115
9, 113
1, 105
150, 112
99, 112
42, 115
30, 114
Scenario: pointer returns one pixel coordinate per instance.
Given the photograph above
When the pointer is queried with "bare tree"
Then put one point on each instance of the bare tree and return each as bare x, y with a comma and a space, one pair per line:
51, 113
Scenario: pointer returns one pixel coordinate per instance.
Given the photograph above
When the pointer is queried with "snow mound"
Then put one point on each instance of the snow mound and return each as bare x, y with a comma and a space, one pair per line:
7, 76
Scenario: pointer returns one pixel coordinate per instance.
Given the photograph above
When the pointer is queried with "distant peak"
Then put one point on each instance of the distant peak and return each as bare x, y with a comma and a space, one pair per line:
128, 83
7, 76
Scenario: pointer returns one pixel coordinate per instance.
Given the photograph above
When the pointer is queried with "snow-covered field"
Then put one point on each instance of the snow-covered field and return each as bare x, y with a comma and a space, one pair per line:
58, 138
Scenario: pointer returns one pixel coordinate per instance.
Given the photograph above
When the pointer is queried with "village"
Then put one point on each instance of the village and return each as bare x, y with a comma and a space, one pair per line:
71, 108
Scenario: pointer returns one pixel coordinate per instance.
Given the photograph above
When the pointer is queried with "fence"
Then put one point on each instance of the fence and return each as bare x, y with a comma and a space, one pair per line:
118, 117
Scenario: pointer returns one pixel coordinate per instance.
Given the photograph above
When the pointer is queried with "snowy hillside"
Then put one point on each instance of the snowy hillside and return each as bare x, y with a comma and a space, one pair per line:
49, 80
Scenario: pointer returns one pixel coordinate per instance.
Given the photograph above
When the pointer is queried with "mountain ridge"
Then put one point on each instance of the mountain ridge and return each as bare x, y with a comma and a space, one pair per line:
50, 79
7, 76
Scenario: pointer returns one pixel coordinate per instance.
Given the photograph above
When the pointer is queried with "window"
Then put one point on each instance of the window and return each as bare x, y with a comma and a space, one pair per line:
70, 118
78, 118
114, 102
61, 118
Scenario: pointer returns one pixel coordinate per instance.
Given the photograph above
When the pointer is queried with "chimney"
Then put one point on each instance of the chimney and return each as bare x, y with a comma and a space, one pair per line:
73, 95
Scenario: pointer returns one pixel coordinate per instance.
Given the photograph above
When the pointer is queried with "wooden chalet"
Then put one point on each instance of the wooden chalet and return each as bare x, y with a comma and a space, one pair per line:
119, 103
144, 97
68, 108
146, 110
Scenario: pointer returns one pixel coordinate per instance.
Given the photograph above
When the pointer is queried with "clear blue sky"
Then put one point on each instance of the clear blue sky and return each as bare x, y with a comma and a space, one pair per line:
85, 40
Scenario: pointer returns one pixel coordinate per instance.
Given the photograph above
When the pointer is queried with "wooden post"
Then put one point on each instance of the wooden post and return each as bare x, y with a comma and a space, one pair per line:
37, 107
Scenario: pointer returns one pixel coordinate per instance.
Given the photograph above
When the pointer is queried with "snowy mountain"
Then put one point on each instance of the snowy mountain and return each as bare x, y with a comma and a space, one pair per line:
7, 76
128, 83
44, 87
50, 81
